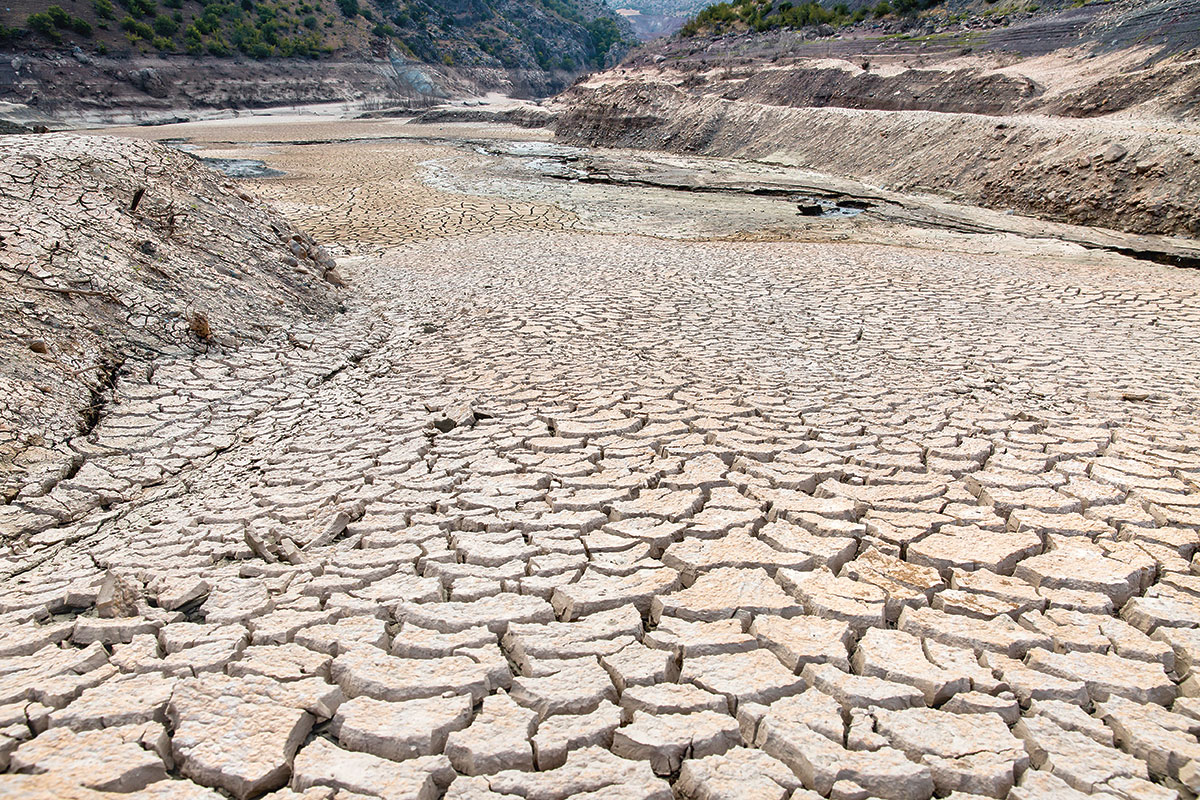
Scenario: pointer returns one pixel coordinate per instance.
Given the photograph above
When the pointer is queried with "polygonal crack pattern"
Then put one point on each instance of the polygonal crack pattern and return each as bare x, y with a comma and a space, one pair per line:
706, 520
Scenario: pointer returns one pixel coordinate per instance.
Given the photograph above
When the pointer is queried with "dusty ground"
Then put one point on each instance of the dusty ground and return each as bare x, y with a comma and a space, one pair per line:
565, 505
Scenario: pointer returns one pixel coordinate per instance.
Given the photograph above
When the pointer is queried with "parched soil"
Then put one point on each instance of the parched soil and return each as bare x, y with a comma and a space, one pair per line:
115, 253
561, 505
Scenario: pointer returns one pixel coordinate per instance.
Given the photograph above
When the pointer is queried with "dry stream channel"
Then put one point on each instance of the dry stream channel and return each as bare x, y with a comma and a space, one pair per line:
617, 476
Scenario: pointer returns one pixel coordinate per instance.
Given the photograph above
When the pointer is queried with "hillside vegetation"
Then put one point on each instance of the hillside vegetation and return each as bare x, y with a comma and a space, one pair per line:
568, 35
763, 15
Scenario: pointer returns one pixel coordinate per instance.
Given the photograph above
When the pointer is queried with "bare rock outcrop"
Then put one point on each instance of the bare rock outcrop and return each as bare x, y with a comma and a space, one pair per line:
1066, 170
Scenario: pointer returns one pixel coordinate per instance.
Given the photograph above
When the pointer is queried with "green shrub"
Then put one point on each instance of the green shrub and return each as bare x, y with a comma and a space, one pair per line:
104, 9
310, 22
193, 42
882, 9
43, 23
604, 33
349, 8
140, 30
7, 34
60, 18
165, 26
142, 8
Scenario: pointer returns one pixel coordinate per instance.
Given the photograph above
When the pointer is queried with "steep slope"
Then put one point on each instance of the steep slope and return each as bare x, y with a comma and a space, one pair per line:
62, 53
1085, 115
113, 252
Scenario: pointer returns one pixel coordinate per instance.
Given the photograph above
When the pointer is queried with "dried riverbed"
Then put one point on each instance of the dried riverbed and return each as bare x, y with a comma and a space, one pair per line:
606, 489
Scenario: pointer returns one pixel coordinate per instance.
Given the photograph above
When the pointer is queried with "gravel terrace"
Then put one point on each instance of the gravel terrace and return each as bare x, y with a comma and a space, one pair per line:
553, 510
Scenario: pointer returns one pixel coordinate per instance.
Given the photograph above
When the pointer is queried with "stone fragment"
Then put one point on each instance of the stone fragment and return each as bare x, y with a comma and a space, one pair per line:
591, 772
738, 550
821, 762
1037, 784
111, 759
600, 634
173, 593
284, 662
638, 665
967, 547
691, 639
975, 754
235, 736
494, 613
1083, 569
801, 640
321, 763
400, 730
1081, 762
186, 790
577, 687
236, 600
827, 551
112, 630
559, 735
860, 605
723, 593
281, 625
810, 709
903, 583
1001, 634
670, 698
860, 691
1106, 675
1164, 740
899, 657
498, 739
123, 700
595, 592
1030, 684
374, 673
751, 677
666, 739
1006, 707
1163, 607
334, 639
1185, 647
118, 596
739, 773
24, 640
413, 641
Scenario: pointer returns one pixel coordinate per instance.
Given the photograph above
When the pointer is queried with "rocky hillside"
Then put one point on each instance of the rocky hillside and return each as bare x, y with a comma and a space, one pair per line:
540, 45
1085, 116
114, 251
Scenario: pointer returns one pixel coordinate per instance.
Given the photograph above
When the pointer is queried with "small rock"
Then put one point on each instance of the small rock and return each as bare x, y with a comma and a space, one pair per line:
117, 597
1114, 153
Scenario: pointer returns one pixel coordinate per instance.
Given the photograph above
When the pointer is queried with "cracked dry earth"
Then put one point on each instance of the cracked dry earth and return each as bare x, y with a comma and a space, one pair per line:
550, 514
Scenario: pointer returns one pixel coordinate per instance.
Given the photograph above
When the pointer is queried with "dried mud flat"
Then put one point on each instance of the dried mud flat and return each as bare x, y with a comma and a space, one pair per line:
561, 506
